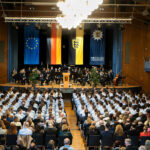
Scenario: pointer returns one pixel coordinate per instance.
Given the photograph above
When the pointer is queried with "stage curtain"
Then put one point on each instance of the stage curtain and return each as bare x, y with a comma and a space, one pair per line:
12, 50
31, 44
97, 47
117, 50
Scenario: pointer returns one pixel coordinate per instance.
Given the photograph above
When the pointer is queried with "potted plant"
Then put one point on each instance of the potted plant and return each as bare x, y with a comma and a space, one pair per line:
94, 77
33, 77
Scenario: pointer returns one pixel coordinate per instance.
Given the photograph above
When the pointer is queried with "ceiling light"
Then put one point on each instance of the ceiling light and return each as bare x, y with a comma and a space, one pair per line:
75, 11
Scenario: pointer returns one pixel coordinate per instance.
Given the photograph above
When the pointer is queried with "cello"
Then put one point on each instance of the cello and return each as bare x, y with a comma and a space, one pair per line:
116, 79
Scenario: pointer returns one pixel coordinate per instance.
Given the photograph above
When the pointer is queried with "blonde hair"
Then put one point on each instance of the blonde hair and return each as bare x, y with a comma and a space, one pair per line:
91, 127
64, 127
119, 130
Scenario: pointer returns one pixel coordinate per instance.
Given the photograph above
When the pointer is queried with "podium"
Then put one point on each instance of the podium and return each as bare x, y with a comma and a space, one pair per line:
66, 79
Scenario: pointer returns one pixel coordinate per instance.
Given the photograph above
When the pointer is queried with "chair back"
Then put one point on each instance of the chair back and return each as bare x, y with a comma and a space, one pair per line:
2, 139
143, 139
39, 139
93, 140
11, 140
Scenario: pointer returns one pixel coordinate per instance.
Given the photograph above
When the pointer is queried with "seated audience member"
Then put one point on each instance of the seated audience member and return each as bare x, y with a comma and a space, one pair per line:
25, 130
119, 134
144, 135
92, 130
51, 145
66, 145
2, 130
51, 130
107, 138
39, 129
6, 122
17, 122
2, 147
12, 129
65, 131
128, 145
142, 148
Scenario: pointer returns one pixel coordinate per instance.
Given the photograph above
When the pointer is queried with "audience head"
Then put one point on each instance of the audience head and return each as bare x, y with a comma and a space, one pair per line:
66, 141
51, 144
26, 124
147, 144
12, 129
127, 142
142, 148
119, 130
65, 127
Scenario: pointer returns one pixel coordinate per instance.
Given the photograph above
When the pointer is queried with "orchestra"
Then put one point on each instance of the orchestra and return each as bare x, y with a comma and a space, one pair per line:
47, 75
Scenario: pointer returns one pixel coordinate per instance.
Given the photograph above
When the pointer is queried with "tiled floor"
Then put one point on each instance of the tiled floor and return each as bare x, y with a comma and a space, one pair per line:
78, 142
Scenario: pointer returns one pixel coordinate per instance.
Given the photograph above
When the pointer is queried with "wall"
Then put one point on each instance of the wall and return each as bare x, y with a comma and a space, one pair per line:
138, 35
3, 65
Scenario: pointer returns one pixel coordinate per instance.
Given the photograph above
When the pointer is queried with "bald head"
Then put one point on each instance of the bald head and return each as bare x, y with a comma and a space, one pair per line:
66, 141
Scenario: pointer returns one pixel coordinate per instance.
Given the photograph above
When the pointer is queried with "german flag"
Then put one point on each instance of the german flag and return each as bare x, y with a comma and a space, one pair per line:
54, 45
76, 46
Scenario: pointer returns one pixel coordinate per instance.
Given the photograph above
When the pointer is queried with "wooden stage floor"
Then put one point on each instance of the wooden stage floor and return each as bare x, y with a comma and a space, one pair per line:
72, 86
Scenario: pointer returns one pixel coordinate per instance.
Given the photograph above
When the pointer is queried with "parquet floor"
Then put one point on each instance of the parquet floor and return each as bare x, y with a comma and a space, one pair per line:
78, 142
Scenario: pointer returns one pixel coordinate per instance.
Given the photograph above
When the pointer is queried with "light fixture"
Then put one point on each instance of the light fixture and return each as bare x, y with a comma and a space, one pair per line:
28, 20
75, 11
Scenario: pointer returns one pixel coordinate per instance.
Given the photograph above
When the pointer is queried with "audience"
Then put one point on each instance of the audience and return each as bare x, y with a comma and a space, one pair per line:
125, 112
119, 117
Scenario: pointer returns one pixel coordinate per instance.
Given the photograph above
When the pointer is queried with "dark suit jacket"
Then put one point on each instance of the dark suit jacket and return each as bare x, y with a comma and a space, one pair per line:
107, 138
51, 131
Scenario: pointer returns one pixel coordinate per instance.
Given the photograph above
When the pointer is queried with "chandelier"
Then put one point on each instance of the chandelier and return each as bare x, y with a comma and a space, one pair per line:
75, 11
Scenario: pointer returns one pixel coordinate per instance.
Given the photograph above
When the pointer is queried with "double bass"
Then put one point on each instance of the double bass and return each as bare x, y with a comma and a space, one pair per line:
116, 79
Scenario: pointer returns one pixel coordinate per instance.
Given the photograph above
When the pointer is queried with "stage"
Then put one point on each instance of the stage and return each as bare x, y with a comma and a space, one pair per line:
72, 86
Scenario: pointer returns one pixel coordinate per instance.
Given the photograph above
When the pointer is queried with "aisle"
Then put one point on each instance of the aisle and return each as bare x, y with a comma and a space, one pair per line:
77, 142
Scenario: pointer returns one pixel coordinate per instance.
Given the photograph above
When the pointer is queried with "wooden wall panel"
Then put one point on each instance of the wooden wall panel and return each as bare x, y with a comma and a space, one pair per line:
3, 65
138, 34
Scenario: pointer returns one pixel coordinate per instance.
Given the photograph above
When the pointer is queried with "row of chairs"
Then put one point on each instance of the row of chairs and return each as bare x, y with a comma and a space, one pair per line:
40, 139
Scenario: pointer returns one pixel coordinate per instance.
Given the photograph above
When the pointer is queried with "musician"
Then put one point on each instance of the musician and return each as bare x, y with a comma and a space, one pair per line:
14, 74
28, 72
111, 75
52, 74
23, 76
86, 78
59, 76
47, 78
42, 78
